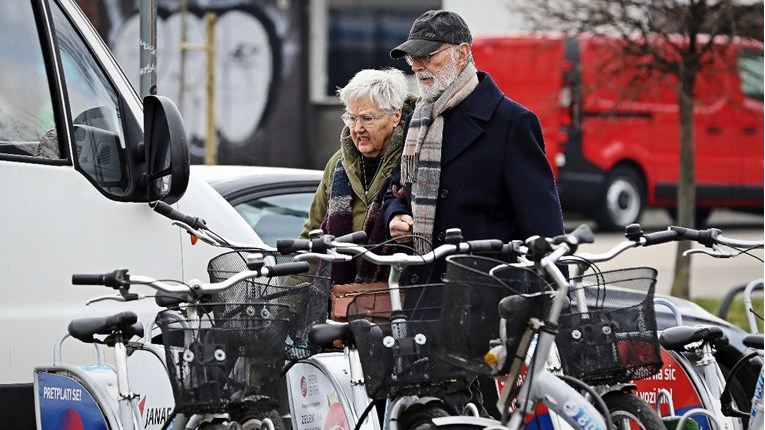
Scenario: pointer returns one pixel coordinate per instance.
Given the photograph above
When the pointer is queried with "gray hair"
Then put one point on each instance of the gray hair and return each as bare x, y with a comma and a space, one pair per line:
386, 88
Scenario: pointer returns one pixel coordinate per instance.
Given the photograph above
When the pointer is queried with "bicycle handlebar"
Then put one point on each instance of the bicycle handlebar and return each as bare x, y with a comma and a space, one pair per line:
713, 236
165, 209
120, 279
319, 244
112, 279
658, 237
635, 238
331, 249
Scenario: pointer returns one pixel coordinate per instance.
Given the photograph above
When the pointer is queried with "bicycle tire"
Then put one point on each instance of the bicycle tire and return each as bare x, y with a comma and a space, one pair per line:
253, 422
214, 426
420, 417
628, 410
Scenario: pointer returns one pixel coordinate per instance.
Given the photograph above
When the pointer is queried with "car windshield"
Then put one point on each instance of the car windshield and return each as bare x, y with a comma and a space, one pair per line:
276, 217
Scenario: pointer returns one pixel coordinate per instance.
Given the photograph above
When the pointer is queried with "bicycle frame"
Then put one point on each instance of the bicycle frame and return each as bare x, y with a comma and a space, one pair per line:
539, 384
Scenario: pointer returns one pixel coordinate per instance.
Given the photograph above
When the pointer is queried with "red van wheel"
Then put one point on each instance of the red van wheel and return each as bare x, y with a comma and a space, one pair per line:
623, 200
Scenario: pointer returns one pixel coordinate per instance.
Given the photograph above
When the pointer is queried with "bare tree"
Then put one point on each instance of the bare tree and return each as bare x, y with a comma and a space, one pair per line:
675, 38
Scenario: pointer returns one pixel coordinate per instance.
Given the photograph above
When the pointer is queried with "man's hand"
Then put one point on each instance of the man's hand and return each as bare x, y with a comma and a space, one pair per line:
401, 225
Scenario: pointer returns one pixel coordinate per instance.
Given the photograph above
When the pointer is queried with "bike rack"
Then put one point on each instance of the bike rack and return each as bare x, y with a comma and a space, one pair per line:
57, 351
754, 285
671, 306
664, 394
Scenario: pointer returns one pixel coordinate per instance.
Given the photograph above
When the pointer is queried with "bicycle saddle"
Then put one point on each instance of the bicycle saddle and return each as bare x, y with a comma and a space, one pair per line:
676, 338
325, 333
170, 300
85, 328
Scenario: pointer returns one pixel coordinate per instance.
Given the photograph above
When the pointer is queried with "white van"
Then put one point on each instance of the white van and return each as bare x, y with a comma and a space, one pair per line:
78, 165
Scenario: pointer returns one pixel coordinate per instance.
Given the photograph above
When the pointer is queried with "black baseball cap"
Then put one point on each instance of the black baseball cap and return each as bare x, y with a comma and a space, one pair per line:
431, 30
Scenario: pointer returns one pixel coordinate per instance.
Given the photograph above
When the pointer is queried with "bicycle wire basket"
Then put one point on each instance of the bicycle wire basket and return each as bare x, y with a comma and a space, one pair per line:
399, 358
231, 353
471, 325
306, 294
608, 327
231, 346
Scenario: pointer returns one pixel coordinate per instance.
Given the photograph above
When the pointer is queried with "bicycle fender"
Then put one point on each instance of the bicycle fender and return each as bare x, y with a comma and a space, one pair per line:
466, 422
618, 388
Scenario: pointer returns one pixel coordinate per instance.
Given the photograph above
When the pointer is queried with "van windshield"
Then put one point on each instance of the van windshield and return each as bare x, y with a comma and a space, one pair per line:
27, 125
750, 70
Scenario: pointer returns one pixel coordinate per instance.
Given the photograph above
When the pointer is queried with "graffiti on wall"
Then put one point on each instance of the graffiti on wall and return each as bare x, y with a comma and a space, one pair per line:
247, 65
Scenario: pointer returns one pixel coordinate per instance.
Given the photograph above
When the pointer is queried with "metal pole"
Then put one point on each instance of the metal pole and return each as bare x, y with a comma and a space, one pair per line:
182, 66
211, 147
211, 143
148, 50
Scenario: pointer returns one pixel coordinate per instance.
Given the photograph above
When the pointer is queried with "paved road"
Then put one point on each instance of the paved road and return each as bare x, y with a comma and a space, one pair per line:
710, 277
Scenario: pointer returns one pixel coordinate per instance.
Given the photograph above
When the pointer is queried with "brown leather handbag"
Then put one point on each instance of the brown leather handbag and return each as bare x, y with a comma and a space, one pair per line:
374, 298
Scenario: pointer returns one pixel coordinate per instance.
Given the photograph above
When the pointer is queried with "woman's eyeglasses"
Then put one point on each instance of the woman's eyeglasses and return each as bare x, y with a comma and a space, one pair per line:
425, 59
366, 120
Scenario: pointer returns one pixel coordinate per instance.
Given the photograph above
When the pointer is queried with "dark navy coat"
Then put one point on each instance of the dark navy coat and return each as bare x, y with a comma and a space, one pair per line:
495, 182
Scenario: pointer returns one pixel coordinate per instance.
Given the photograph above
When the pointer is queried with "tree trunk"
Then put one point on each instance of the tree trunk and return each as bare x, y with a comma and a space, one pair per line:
686, 192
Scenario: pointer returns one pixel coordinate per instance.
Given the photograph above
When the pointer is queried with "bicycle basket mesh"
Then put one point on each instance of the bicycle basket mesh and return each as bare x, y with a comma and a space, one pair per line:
232, 352
471, 325
608, 328
399, 358
306, 294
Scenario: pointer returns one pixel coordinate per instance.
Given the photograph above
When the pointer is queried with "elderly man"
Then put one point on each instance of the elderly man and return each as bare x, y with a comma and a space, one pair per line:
473, 158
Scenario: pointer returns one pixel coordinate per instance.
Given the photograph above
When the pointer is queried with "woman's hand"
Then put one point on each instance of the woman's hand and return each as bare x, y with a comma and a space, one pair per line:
401, 225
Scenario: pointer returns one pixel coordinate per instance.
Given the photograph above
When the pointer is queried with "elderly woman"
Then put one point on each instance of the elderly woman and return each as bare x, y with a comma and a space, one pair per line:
350, 194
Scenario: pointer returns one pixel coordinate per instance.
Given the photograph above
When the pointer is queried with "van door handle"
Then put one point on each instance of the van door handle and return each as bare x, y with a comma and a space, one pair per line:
714, 129
749, 130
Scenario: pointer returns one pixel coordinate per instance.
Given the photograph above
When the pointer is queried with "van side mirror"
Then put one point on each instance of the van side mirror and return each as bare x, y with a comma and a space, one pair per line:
167, 154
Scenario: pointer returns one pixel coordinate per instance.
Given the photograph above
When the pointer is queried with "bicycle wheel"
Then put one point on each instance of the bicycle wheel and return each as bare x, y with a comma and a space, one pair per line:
420, 417
255, 421
630, 412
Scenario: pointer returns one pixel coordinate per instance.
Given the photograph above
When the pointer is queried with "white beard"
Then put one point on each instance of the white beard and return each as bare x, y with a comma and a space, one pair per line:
448, 75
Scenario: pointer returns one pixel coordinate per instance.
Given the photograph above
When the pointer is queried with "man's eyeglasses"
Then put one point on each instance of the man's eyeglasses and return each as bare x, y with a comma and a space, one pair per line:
366, 120
425, 59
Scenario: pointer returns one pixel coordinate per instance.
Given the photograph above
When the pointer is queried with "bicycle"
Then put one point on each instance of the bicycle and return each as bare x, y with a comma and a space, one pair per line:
696, 385
722, 399
212, 349
389, 346
713, 239
407, 340
207, 326
597, 319
756, 412
622, 383
754, 341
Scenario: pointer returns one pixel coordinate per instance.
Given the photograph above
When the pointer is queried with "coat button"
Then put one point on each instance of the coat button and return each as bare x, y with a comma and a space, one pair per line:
444, 193
414, 278
441, 236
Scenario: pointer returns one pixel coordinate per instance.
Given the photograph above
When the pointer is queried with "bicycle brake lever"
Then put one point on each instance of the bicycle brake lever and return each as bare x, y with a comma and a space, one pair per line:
198, 233
714, 253
116, 298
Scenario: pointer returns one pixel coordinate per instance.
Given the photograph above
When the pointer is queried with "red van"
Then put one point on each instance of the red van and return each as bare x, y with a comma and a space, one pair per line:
614, 144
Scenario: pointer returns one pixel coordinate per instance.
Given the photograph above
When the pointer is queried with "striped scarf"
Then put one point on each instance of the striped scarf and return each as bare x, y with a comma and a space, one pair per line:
421, 158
